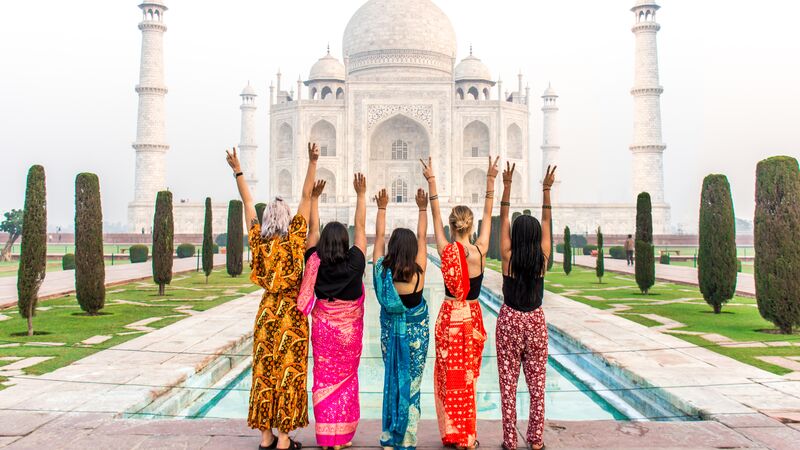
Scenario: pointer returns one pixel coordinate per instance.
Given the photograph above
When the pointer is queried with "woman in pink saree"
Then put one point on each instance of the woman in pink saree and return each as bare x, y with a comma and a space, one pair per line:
332, 293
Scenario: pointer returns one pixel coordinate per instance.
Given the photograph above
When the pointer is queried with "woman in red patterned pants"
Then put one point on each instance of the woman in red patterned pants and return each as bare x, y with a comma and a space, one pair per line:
521, 335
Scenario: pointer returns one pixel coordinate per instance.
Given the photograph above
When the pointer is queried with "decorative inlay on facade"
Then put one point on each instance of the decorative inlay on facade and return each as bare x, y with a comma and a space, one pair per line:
151, 90
152, 26
400, 57
422, 113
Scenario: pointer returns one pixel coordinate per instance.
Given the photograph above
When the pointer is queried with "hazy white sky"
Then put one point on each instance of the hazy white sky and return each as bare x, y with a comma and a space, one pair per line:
730, 70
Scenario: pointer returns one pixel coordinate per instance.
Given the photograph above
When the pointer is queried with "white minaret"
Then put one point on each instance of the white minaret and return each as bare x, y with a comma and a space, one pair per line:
247, 143
550, 145
647, 146
151, 145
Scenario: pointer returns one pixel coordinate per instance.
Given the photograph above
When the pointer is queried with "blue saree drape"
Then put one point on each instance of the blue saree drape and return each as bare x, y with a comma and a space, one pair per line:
404, 343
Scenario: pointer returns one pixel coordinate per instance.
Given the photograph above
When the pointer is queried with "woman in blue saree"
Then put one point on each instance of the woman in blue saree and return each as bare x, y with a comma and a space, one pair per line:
399, 278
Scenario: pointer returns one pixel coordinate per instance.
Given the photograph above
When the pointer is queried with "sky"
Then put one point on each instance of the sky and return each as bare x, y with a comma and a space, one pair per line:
730, 72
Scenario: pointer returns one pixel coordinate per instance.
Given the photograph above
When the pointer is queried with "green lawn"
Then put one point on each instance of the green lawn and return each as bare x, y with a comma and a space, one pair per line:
739, 321
9, 268
62, 320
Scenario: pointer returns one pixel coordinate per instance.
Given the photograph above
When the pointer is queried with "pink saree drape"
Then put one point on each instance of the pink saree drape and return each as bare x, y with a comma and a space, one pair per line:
337, 329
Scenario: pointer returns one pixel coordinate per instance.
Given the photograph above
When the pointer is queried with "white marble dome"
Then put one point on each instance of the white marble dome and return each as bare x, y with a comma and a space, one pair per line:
249, 91
327, 68
394, 27
472, 69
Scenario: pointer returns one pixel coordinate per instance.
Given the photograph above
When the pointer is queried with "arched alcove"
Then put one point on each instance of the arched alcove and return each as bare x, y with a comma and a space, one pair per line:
324, 134
339, 94
326, 91
285, 141
474, 186
460, 93
473, 91
329, 196
514, 141
476, 140
285, 185
395, 147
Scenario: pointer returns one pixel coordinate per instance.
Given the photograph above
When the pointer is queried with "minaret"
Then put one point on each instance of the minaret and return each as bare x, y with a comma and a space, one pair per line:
550, 145
647, 146
247, 143
151, 146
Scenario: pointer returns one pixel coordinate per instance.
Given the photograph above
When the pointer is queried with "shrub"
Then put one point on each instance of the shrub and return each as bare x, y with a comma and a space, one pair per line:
260, 207
617, 252
185, 251
163, 232
351, 234
578, 241
221, 240
526, 212
90, 270
209, 248
645, 264
33, 254
13, 226
138, 253
588, 249
560, 247
739, 265
717, 275
600, 264
776, 231
515, 215
567, 251
234, 253
68, 261
664, 259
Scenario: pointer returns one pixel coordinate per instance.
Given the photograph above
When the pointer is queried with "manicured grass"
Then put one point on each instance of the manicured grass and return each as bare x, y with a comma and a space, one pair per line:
62, 320
9, 268
739, 321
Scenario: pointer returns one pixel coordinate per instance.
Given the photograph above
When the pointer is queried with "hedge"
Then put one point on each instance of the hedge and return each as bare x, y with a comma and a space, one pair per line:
588, 249
138, 253
617, 252
664, 259
68, 261
185, 251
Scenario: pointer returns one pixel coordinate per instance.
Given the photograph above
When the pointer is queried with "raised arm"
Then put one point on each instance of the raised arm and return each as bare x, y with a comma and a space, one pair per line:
304, 209
486, 224
547, 217
422, 229
313, 222
438, 228
244, 190
505, 225
360, 185
382, 199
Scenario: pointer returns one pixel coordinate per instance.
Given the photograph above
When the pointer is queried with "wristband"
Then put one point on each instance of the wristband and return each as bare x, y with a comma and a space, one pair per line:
430, 178
505, 204
379, 208
238, 174
423, 210
433, 197
547, 207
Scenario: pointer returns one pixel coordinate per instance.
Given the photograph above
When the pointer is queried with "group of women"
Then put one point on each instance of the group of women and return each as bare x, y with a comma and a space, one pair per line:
308, 272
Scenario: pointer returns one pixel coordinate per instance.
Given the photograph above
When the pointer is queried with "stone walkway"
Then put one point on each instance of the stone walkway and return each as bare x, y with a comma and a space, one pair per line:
63, 282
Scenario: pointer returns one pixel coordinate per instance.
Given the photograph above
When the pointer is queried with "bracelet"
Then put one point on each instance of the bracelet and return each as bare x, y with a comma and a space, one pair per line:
433, 197
545, 190
379, 208
489, 194
237, 174
505, 204
423, 210
430, 178
547, 207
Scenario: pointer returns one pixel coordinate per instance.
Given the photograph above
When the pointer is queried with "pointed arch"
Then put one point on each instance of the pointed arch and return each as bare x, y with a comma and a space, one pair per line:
285, 185
329, 196
476, 139
514, 142
474, 185
473, 91
326, 91
460, 93
324, 134
314, 93
339, 94
285, 141
486, 94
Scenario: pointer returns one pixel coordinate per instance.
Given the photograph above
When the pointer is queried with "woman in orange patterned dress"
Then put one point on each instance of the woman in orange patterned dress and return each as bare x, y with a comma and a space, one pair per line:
459, 332
278, 396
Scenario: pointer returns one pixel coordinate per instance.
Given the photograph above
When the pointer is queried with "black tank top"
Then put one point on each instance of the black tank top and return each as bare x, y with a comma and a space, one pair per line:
523, 304
474, 284
413, 299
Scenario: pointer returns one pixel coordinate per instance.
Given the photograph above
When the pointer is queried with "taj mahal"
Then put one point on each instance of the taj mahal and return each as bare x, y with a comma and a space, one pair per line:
399, 94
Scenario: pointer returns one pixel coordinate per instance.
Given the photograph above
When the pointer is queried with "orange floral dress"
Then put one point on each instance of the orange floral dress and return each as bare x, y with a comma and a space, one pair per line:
278, 396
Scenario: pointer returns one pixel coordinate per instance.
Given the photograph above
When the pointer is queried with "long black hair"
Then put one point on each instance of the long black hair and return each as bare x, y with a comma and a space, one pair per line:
401, 256
527, 259
333, 243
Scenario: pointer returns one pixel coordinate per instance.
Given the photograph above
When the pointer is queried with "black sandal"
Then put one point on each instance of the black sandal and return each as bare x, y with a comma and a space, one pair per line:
293, 445
271, 446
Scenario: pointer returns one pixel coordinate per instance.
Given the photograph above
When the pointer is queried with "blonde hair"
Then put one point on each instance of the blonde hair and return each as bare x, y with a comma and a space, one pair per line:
461, 219
276, 219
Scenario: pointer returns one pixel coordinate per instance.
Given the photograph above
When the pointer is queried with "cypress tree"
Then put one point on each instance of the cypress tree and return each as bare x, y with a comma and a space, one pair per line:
717, 274
645, 263
777, 241
514, 216
163, 230
33, 254
526, 212
208, 241
90, 268
552, 249
447, 233
600, 267
260, 207
234, 254
494, 241
567, 251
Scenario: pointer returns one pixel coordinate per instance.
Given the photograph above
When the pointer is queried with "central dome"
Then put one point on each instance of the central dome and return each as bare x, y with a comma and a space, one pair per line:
399, 31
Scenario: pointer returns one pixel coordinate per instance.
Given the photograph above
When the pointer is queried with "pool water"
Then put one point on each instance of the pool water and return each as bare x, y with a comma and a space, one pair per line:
566, 398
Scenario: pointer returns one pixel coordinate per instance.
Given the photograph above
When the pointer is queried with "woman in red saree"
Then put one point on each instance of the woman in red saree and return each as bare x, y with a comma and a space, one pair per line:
459, 332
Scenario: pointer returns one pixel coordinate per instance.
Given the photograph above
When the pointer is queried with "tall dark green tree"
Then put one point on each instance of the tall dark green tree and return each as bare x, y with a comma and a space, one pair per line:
717, 272
645, 263
208, 241
600, 265
235, 251
260, 207
163, 245
777, 241
447, 232
494, 238
551, 260
33, 255
90, 268
567, 251
12, 225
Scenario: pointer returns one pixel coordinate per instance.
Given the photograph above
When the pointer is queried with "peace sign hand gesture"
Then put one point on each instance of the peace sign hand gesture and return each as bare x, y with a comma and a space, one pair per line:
549, 178
313, 152
493, 170
508, 174
427, 168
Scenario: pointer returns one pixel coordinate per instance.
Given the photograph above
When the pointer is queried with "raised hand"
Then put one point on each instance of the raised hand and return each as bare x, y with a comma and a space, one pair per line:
549, 178
360, 183
233, 160
319, 187
493, 170
422, 199
382, 199
313, 151
508, 174
427, 168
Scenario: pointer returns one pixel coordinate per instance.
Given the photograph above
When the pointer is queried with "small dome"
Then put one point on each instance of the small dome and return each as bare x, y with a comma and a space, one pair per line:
472, 68
249, 91
645, 3
549, 92
327, 68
